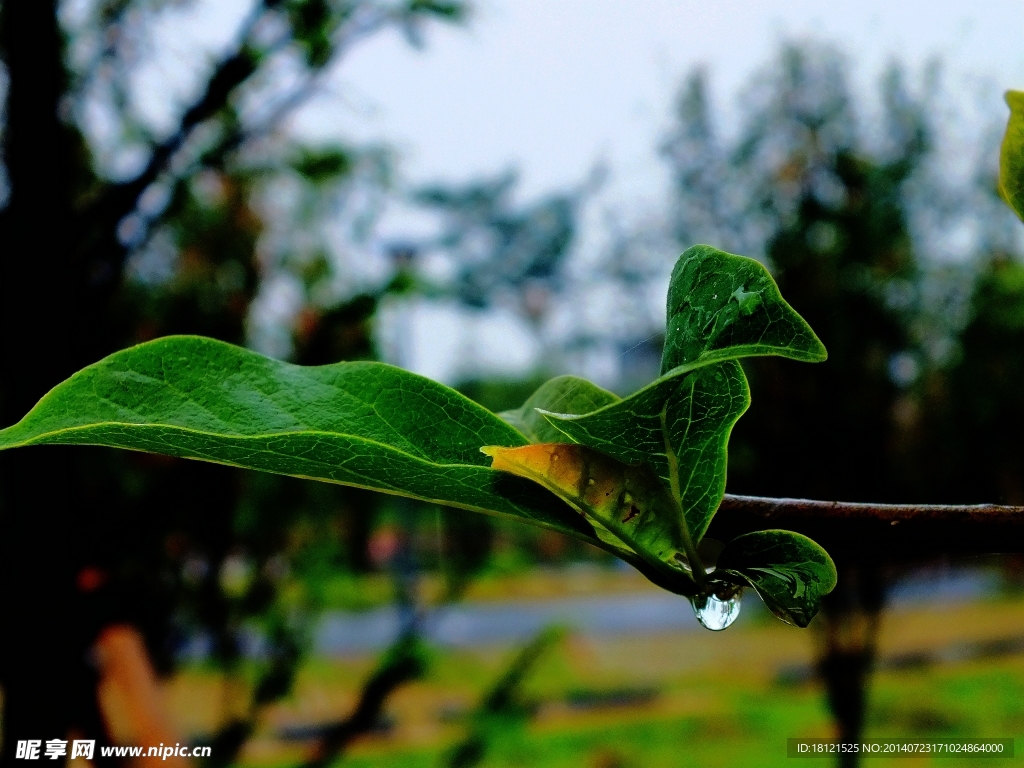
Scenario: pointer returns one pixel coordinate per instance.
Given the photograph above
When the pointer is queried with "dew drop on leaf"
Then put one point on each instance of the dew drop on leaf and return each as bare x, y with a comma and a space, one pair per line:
716, 614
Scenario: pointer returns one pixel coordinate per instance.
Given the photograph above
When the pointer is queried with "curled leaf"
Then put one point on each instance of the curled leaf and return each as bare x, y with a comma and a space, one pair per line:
563, 394
680, 427
628, 502
722, 306
789, 571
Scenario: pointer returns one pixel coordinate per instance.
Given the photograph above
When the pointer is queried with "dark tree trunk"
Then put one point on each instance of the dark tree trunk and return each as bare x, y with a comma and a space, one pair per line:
849, 625
43, 669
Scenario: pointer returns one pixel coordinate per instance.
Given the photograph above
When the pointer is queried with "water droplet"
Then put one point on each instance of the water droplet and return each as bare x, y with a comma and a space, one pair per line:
715, 614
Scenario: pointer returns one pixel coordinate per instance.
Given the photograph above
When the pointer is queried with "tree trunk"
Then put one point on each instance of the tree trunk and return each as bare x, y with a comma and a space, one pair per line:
43, 669
848, 627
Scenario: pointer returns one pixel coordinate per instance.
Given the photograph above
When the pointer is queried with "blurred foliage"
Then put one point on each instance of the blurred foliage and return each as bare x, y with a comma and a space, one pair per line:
964, 446
846, 217
502, 709
501, 250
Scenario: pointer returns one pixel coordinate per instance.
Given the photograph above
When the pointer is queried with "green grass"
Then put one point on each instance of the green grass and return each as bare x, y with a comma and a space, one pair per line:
752, 728
718, 698
748, 724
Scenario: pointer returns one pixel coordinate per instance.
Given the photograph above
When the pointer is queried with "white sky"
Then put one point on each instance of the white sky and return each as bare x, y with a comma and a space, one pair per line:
553, 87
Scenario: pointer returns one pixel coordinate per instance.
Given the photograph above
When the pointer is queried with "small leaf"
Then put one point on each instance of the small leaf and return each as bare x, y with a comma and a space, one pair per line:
364, 424
1011, 155
629, 502
323, 165
680, 426
565, 395
789, 571
722, 306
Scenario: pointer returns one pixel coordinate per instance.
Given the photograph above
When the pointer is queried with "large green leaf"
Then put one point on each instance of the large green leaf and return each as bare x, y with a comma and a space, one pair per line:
1011, 155
680, 426
364, 424
563, 394
789, 571
723, 306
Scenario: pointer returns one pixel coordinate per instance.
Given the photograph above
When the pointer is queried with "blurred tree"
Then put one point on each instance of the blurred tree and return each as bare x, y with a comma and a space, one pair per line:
828, 209
965, 447
115, 235
836, 233
501, 250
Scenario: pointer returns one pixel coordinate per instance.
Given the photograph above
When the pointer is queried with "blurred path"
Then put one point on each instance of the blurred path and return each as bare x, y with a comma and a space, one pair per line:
651, 612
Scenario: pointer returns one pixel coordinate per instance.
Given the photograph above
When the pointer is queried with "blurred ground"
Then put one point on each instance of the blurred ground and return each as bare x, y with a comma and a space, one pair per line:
948, 666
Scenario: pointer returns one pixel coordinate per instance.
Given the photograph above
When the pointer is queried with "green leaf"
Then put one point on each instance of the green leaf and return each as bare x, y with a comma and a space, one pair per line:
565, 395
722, 306
1011, 155
789, 571
358, 423
680, 426
628, 502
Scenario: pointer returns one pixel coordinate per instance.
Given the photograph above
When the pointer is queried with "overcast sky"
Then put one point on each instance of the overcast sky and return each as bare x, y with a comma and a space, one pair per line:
552, 87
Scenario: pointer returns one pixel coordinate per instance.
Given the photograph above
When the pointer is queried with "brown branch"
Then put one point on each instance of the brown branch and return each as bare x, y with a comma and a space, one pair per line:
100, 254
987, 514
102, 213
402, 663
118, 200
502, 701
850, 528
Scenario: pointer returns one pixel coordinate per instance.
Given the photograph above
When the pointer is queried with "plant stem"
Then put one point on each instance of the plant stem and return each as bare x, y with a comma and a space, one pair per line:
858, 530
890, 513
